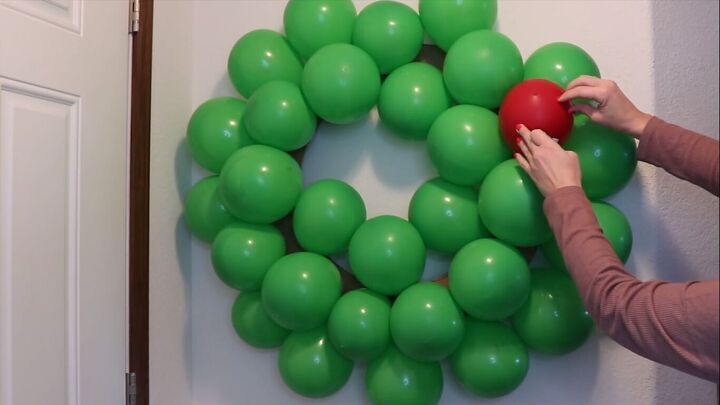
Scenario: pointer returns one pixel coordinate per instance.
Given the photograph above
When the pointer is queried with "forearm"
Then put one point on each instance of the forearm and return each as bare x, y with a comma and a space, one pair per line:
649, 318
683, 153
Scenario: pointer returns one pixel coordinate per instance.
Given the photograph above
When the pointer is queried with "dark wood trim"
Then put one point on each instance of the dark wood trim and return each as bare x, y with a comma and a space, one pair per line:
139, 227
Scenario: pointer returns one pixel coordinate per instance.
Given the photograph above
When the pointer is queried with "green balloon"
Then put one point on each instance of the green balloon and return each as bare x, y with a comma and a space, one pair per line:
341, 83
215, 132
607, 158
615, 227
259, 57
445, 21
560, 63
242, 253
205, 214
411, 98
300, 289
491, 361
311, 366
390, 32
489, 279
253, 324
553, 256
553, 320
395, 379
387, 254
359, 325
481, 67
260, 184
278, 116
327, 215
465, 143
511, 207
425, 322
446, 215
312, 24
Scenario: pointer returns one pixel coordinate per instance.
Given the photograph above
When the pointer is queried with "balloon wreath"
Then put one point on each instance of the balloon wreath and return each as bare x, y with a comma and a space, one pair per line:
271, 238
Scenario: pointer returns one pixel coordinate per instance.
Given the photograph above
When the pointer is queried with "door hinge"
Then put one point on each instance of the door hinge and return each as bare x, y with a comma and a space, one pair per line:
134, 16
130, 389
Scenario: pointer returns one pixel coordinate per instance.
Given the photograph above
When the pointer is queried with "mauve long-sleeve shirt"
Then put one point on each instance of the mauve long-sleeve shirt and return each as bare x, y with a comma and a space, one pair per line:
675, 324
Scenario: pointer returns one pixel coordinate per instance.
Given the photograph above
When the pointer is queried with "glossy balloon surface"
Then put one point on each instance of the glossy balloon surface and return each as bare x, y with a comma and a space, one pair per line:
215, 132
327, 215
561, 63
489, 279
465, 143
253, 324
534, 103
446, 215
205, 214
411, 98
341, 83
312, 24
553, 320
446, 21
387, 254
491, 361
425, 322
242, 253
395, 378
278, 116
310, 365
510, 206
481, 67
390, 32
260, 184
607, 158
300, 290
359, 325
259, 57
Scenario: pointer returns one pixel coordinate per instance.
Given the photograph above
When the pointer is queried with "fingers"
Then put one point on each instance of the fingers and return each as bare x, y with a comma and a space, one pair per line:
526, 152
584, 80
593, 93
588, 110
540, 138
526, 134
523, 162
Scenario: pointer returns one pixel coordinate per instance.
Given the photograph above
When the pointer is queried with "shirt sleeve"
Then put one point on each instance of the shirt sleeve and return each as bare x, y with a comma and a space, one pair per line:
683, 153
675, 324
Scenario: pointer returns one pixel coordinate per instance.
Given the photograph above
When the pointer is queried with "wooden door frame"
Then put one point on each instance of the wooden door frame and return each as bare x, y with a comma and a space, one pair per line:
139, 203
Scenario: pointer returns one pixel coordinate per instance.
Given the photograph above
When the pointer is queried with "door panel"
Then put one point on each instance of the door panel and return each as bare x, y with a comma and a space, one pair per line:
63, 201
38, 213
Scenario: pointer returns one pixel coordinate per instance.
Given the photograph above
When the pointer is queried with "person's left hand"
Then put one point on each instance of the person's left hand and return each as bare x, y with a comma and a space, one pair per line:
547, 163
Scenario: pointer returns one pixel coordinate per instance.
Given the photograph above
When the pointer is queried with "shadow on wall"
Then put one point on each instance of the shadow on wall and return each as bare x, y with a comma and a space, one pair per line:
183, 243
685, 47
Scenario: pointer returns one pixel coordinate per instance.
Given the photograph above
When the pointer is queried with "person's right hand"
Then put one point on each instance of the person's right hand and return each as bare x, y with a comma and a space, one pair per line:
613, 108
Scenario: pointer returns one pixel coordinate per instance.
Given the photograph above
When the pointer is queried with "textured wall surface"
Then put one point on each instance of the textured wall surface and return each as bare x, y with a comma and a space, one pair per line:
664, 56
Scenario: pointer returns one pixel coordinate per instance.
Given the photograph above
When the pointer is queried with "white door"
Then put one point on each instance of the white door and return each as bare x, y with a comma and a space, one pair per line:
63, 201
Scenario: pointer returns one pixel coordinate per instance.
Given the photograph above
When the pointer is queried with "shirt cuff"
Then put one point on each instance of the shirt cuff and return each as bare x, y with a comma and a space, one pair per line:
645, 146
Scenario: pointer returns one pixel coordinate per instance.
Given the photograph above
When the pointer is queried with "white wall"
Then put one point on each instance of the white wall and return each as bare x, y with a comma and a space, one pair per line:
170, 350
663, 54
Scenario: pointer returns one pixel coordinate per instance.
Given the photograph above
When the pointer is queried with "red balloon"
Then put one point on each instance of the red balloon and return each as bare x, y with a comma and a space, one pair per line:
534, 103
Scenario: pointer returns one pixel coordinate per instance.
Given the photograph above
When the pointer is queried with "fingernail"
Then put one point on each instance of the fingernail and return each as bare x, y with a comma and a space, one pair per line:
518, 140
518, 127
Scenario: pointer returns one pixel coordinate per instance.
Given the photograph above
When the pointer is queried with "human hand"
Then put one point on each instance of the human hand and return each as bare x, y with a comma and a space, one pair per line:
614, 109
546, 162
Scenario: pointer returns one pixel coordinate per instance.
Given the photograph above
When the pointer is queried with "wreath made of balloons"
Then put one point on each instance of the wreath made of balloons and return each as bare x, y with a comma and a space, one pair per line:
271, 237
